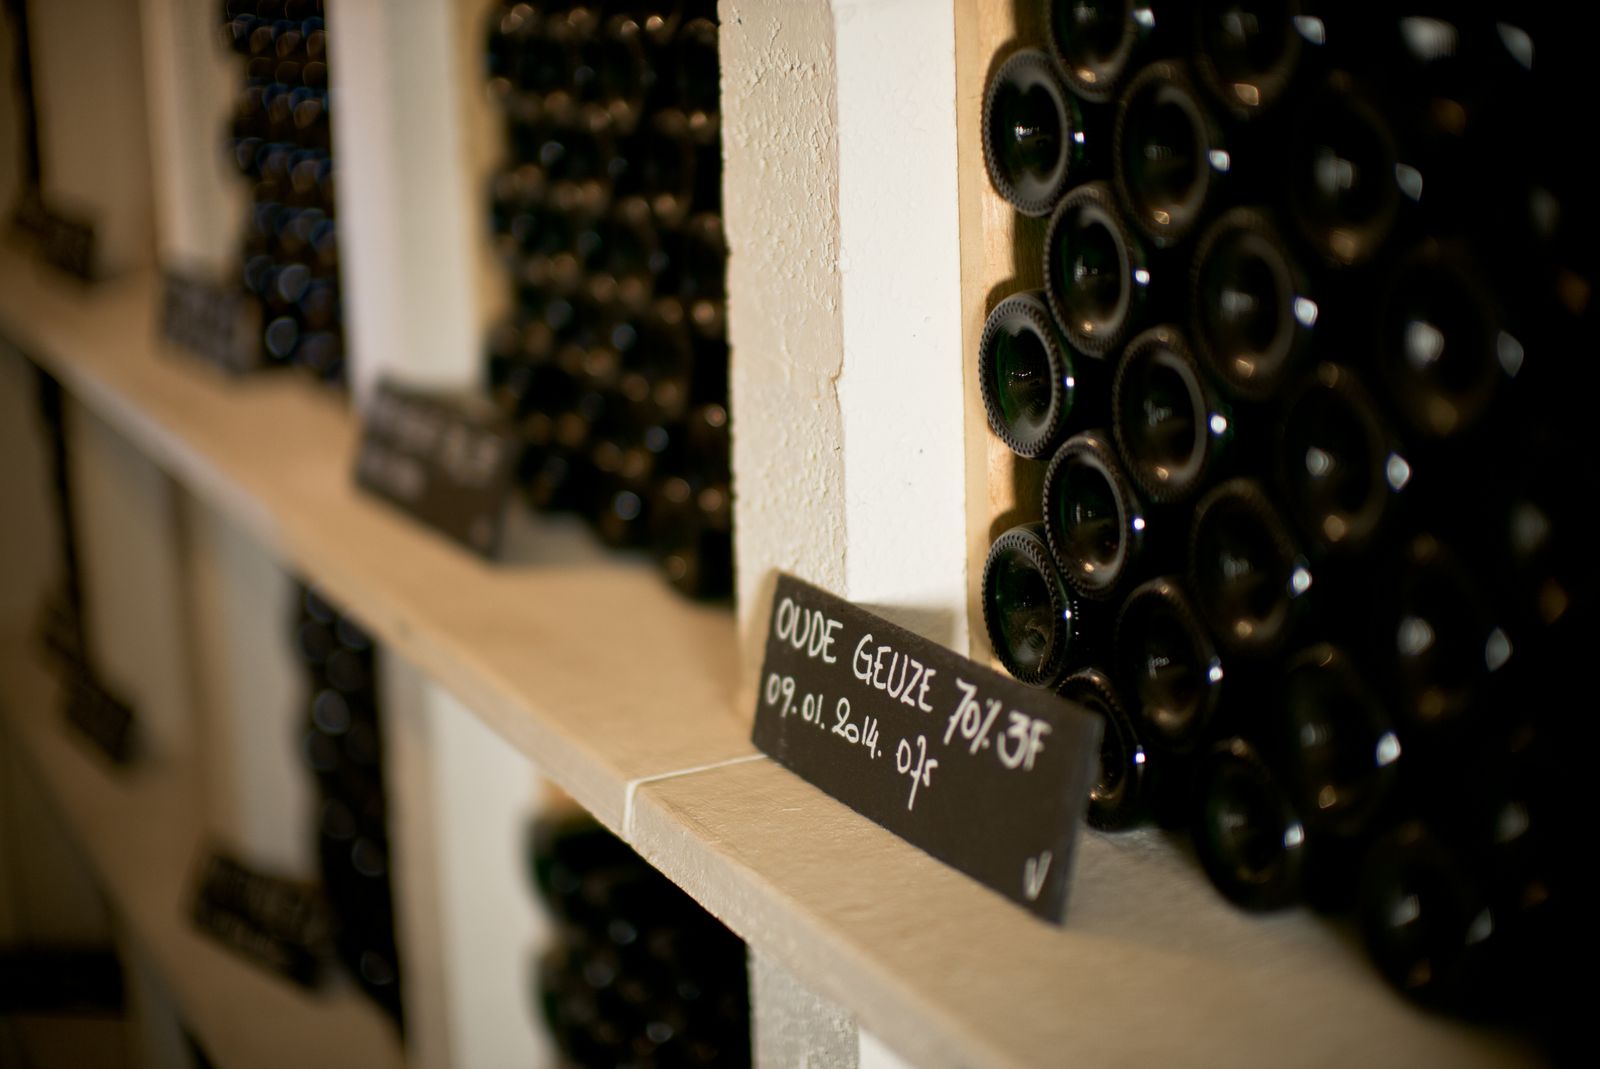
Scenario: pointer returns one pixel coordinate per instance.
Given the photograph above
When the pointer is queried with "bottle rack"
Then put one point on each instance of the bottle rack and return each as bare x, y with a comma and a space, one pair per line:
863, 235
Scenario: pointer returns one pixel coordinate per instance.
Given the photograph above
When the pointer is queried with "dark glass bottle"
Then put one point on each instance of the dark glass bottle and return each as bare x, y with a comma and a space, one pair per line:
1425, 918
1096, 273
657, 360
662, 166
1093, 519
1442, 349
1341, 468
1170, 423
1249, 579
1119, 799
1341, 756
637, 974
696, 59
1344, 182
699, 262
1168, 153
1026, 375
1032, 133
635, 255
508, 31
1168, 664
1249, 837
1252, 311
1095, 41
626, 78
341, 746
1547, 576
1444, 640
1247, 52
1031, 615
692, 537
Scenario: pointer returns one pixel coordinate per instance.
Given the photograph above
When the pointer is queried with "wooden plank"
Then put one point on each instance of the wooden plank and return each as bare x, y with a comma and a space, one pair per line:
1152, 967
596, 670
142, 834
1001, 254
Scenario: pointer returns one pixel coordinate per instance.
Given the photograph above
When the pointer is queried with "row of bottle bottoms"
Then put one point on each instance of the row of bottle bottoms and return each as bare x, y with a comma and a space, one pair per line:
609, 69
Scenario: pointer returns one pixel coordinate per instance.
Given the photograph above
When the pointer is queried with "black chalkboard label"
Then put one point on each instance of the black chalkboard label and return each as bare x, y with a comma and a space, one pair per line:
278, 923
447, 460
987, 775
61, 241
100, 716
218, 323
60, 632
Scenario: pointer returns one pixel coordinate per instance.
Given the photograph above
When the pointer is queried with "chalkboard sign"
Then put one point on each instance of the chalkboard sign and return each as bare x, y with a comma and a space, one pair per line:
60, 240
447, 460
60, 632
220, 324
278, 923
100, 716
987, 775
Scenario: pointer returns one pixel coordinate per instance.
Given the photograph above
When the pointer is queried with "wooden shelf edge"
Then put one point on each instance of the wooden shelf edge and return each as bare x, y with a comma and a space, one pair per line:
139, 830
531, 646
1152, 965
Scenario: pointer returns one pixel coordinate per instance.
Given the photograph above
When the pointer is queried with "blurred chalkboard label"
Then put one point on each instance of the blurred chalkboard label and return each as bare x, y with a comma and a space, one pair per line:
280, 924
59, 239
98, 715
987, 775
217, 323
448, 460
60, 632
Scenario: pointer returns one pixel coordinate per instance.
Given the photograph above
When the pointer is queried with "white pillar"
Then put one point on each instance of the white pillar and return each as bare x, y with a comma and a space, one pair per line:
251, 712
405, 235
780, 207
89, 89
130, 549
901, 393
192, 82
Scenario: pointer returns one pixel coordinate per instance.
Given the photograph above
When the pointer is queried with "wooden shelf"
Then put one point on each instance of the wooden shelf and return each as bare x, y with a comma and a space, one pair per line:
1152, 967
624, 694
530, 647
140, 832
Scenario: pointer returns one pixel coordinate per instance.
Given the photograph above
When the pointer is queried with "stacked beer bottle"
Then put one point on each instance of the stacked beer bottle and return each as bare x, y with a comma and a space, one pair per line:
342, 747
281, 141
607, 215
1299, 375
637, 974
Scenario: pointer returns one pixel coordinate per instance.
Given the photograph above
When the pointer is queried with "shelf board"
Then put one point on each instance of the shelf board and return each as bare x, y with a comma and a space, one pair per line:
1152, 967
140, 831
624, 694
591, 665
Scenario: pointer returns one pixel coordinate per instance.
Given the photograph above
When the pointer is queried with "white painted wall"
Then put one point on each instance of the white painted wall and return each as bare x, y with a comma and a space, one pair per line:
471, 924
250, 697
900, 282
155, 1039
873, 1054
793, 1027
89, 87
405, 239
10, 124
131, 551
46, 890
844, 306
491, 918
192, 82
839, 189
781, 215
29, 566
